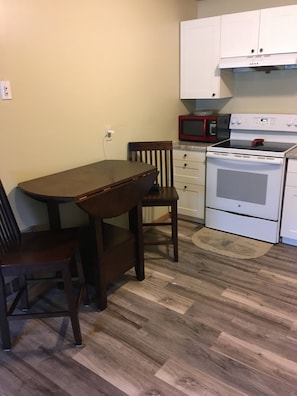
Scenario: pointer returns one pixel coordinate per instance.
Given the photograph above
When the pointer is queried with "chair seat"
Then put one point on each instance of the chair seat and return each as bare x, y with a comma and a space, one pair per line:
37, 256
39, 249
163, 196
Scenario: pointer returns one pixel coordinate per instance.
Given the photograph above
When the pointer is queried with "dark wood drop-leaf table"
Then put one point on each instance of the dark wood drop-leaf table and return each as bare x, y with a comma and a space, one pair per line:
103, 189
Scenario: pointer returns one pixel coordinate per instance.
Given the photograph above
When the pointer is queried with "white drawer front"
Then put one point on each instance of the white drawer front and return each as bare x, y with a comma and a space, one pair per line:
189, 155
186, 164
184, 186
193, 172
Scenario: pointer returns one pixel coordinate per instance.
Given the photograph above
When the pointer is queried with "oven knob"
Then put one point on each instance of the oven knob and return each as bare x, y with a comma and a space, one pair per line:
239, 122
290, 123
295, 123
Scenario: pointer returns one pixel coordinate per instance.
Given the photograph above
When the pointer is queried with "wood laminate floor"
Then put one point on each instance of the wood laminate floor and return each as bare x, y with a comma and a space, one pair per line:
207, 325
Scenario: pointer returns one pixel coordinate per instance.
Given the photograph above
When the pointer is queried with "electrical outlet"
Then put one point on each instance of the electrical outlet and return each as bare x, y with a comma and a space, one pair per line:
108, 134
5, 90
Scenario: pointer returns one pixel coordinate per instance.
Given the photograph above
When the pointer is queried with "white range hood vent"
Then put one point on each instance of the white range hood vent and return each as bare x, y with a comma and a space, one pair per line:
260, 62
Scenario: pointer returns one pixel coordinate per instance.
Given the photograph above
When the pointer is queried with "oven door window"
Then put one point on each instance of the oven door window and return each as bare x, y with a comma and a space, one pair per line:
249, 188
242, 186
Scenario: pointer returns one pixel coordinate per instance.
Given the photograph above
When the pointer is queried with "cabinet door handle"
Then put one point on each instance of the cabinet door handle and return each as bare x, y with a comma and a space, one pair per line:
213, 94
185, 165
185, 187
185, 155
261, 49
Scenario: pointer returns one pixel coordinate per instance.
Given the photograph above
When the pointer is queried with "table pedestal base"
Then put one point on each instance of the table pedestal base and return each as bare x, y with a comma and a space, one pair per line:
119, 254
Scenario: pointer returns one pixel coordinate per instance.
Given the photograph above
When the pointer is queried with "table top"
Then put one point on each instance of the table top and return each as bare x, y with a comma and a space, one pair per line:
82, 182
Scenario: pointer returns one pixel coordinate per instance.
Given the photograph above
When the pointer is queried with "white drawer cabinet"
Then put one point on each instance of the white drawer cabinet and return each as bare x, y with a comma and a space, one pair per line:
289, 215
189, 180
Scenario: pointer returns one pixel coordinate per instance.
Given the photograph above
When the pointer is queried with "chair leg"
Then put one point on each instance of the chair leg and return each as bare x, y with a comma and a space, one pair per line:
174, 230
73, 312
24, 298
81, 276
4, 325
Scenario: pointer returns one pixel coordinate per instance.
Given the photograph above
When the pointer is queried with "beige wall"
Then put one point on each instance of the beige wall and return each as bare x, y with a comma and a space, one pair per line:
254, 91
77, 67
208, 8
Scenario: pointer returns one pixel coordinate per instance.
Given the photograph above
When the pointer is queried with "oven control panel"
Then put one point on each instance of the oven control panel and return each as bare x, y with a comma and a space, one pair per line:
264, 122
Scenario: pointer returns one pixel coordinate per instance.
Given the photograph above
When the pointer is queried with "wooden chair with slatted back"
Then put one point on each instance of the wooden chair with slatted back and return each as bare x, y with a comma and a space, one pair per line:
163, 193
23, 255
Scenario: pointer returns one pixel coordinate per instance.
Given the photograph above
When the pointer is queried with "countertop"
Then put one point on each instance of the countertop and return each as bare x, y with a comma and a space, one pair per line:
292, 154
193, 146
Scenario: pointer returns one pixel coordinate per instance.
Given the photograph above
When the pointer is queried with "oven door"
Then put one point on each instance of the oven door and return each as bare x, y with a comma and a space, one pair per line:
243, 184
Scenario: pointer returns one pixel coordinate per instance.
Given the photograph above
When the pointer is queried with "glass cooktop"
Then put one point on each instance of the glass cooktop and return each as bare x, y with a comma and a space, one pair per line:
256, 144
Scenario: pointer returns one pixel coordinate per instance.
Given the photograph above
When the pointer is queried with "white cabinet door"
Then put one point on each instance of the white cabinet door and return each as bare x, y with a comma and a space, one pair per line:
278, 33
289, 214
289, 219
259, 32
239, 34
200, 77
191, 201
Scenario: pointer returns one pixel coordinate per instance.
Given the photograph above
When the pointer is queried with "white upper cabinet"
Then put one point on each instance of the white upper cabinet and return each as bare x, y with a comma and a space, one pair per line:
239, 34
278, 33
200, 77
260, 32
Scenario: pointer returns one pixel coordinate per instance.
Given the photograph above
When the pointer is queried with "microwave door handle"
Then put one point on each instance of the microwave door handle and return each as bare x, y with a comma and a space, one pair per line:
241, 158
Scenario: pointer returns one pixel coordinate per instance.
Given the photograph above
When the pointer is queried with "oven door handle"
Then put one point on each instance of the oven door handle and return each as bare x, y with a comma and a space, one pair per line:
243, 158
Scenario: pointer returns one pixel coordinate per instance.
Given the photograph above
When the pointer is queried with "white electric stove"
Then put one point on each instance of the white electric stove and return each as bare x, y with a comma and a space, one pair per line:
245, 175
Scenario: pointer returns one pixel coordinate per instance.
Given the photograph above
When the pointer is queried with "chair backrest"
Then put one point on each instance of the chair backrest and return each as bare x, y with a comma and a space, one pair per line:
159, 154
10, 235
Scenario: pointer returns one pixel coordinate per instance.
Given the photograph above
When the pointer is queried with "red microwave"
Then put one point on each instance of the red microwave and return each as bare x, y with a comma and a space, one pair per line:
209, 128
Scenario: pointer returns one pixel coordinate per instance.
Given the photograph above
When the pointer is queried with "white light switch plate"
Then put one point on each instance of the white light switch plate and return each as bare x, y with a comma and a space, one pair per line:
5, 90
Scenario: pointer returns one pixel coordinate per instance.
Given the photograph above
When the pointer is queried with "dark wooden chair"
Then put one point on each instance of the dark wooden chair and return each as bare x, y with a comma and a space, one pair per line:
163, 193
25, 255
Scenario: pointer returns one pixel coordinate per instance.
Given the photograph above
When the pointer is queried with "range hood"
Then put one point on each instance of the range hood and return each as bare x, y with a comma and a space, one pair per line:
260, 62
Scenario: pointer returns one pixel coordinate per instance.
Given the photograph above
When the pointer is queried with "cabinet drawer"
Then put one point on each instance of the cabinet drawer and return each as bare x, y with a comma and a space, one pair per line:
189, 178
292, 165
186, 170
184, 186
189, 155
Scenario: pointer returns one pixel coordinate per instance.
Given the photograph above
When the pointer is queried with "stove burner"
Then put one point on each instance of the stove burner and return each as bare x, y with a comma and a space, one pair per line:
256, 144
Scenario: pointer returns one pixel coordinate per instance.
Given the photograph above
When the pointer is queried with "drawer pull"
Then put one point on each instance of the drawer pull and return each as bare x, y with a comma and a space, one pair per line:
185, 165
185, 155
185, 187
